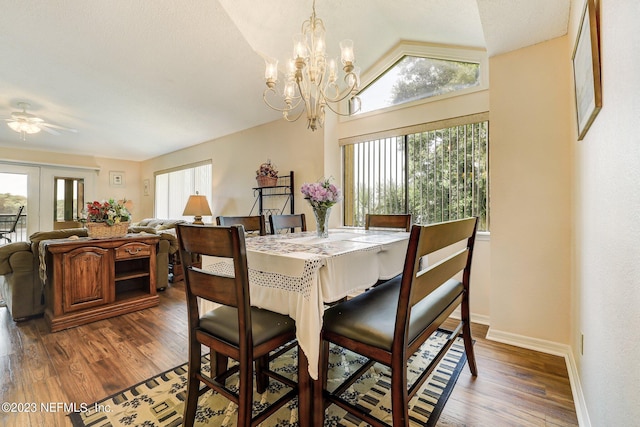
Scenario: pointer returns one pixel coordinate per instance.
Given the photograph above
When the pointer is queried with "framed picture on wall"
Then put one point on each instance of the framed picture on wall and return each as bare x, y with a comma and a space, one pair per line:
116, 179
586, 70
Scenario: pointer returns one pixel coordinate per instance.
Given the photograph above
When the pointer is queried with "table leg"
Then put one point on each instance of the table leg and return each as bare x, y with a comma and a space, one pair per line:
305, 391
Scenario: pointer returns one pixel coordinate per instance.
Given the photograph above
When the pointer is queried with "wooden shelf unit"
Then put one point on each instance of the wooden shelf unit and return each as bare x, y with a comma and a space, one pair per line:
94, 279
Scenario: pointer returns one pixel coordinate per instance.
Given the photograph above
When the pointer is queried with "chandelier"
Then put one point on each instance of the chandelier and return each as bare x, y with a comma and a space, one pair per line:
312, 79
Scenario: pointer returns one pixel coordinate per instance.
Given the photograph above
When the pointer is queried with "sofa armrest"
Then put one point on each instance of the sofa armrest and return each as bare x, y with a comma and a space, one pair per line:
172, 240
6, 253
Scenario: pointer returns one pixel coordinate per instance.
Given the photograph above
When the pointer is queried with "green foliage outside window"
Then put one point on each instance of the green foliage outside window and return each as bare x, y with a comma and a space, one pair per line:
436, 176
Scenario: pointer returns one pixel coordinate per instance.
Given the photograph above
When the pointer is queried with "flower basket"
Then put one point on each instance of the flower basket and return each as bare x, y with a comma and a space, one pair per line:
266, 181
102, 230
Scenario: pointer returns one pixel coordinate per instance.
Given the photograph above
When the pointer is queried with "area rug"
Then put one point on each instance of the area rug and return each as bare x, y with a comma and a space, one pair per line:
159, 401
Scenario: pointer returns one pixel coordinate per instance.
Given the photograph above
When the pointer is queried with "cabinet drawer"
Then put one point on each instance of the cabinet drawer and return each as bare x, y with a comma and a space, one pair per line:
133, 250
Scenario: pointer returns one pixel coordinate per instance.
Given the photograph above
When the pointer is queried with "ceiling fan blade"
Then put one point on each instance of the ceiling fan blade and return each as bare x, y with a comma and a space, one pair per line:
50, 131
49, 125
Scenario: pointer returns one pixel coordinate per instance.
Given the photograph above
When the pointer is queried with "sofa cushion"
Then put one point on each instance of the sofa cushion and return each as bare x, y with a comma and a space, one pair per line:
159, 224
58, 234
141, 229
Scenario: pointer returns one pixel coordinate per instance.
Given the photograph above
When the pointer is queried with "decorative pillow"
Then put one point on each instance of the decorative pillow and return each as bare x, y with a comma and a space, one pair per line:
167, 226
141, 229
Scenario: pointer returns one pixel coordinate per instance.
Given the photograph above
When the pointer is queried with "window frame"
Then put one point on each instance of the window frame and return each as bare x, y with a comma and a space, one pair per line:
425, 50
207, 191
403, 134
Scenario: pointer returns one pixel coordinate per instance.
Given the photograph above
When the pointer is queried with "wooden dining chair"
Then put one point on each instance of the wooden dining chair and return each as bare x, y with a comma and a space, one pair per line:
399, 221
252, 224
389, 323
284, 222
234, 329
12, 229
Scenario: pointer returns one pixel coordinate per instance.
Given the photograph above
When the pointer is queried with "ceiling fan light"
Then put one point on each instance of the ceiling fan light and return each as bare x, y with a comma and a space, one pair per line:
24, 127
31, 128
15, 126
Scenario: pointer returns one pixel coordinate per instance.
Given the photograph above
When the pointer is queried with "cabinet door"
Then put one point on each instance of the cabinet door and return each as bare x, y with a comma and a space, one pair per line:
87, 278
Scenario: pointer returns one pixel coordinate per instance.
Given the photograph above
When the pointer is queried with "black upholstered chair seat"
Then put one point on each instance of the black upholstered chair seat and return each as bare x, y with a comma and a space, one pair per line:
222, 322
370, 317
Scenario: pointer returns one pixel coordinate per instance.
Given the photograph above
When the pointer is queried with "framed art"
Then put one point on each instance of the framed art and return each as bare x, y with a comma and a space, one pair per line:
586, 70
145, 187
116, 179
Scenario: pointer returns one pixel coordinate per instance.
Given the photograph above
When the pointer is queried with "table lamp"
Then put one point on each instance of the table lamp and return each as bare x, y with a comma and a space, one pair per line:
197, 206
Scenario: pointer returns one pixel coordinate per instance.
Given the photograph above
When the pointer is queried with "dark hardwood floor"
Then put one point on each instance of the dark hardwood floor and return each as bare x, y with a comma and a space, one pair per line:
44, 372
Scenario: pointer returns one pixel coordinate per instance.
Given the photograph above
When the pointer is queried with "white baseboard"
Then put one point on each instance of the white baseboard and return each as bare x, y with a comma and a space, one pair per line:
475, 318
556, 349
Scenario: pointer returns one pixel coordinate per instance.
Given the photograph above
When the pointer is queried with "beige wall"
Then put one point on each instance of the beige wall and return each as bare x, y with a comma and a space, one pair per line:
607, 212
95, 171
290, 146
530, 190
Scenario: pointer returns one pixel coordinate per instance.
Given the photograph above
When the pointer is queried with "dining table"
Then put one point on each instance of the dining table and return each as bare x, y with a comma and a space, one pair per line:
297, 274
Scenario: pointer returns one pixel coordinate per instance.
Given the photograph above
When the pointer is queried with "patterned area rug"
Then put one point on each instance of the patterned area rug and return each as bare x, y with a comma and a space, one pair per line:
159, 401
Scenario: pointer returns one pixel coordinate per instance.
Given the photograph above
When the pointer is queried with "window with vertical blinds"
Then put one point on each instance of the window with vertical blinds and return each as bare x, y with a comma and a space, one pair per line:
436, 172
173, 188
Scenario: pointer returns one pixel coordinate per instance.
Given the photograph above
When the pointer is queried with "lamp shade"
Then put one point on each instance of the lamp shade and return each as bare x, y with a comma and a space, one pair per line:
198, 206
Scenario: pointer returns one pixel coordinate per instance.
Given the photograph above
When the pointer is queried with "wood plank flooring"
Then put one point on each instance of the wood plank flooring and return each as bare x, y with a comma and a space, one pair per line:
47, 375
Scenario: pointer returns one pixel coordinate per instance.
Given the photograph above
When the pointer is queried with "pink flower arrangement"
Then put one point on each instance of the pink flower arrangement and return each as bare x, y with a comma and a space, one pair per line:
321, 193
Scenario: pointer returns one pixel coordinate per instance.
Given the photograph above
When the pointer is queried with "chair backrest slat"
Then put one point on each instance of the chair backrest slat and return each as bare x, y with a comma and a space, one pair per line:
221, 242
250, 223
428, 280
219, 289
199, 243
282, 222
444, 234
400, 221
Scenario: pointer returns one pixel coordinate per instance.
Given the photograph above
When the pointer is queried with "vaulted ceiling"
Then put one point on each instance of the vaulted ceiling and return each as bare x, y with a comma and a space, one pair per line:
141, 78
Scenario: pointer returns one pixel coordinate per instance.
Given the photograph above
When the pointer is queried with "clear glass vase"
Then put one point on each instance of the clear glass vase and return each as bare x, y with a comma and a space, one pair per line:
322, 220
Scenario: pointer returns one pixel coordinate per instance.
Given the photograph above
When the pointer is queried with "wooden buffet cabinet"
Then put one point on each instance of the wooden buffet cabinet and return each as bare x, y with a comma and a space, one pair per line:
94, 279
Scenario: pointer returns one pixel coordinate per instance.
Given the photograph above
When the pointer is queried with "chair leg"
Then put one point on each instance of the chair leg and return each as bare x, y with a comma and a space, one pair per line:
399, 393
245, 395
193, 386
320, 384
468, 348
466, 334
262, 379
221, 364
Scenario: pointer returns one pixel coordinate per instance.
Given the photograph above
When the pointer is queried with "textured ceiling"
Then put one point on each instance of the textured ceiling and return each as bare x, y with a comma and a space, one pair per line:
141, 78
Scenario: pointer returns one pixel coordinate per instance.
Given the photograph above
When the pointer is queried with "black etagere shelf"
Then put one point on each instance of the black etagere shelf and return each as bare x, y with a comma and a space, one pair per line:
275, 200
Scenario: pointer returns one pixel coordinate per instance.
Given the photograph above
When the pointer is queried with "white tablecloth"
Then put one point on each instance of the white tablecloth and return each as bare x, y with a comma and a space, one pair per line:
295, 274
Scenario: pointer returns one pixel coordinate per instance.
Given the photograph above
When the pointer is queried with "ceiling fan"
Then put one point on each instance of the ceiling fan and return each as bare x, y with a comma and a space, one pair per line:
26, 123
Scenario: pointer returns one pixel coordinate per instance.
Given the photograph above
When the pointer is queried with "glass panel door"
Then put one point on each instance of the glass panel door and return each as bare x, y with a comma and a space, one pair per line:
13, 195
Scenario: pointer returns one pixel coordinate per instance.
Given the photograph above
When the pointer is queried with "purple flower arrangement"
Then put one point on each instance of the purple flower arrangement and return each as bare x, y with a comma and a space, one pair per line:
267, 169
321, 193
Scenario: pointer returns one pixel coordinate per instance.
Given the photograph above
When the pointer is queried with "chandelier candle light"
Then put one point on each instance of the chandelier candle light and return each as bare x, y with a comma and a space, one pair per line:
322, 196
312, 79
